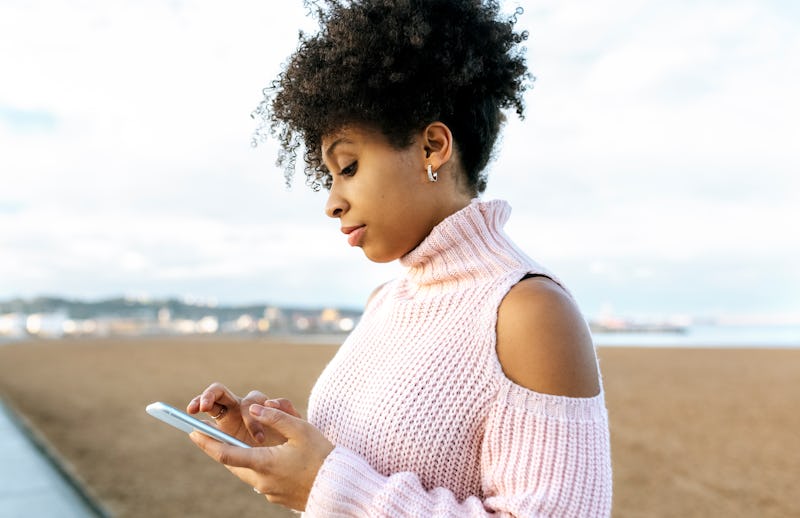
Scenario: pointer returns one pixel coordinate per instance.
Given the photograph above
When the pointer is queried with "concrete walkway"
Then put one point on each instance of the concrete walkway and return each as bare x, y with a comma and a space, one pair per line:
30, 485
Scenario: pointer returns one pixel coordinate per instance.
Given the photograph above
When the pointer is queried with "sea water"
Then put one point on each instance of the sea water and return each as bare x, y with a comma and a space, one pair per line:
784, 336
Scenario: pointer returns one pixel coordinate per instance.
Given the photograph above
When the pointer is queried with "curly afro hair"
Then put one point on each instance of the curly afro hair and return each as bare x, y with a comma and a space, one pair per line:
397, 66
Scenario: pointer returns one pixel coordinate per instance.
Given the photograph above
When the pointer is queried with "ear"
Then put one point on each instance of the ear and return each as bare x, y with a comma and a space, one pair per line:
438, 142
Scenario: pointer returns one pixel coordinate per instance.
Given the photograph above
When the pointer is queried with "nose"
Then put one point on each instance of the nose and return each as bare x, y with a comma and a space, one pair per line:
336, 205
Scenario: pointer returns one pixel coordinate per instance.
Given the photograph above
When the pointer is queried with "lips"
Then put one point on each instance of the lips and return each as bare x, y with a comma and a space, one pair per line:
355, 234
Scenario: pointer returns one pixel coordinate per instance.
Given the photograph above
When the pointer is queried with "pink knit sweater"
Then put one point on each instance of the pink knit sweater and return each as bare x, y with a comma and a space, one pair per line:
424, 421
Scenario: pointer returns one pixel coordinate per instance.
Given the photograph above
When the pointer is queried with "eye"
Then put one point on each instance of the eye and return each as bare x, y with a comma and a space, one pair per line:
350, 170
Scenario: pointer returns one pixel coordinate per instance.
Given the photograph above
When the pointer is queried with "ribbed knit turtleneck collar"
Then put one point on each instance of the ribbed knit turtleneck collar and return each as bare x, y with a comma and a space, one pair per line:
467, 246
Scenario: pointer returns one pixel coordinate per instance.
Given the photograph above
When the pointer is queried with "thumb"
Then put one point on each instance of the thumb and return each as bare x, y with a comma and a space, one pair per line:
283, 404
285, 424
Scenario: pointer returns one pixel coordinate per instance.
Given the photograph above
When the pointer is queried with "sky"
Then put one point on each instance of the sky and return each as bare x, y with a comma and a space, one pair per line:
656, 171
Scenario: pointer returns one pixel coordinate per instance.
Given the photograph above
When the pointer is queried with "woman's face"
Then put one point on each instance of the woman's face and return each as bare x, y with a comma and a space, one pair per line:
381, 195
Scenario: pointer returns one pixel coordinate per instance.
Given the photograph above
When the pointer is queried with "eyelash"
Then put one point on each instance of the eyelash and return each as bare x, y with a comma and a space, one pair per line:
349, 170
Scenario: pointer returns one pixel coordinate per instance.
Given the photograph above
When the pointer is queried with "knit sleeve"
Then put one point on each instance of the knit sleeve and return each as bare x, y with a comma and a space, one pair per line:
542, 456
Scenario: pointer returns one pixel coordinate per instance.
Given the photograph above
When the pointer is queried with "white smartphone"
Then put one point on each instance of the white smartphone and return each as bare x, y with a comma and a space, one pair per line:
188, 424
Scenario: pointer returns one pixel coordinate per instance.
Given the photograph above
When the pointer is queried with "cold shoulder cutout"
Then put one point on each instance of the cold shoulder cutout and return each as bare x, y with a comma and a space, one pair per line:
543, 341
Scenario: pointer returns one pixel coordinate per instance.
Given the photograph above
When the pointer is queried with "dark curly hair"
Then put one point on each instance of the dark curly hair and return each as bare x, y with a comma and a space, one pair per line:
397, 66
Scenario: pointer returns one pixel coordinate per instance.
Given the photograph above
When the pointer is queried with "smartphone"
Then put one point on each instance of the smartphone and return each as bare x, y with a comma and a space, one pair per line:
188, 424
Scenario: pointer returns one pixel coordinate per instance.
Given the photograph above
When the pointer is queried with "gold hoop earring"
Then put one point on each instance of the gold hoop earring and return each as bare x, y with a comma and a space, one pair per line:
432, 175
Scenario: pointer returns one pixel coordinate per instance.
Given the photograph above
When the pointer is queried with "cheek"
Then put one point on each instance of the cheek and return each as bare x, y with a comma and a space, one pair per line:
405, 166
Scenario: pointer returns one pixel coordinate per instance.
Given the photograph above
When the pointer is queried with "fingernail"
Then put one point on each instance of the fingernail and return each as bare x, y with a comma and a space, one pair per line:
260, 437
256, 409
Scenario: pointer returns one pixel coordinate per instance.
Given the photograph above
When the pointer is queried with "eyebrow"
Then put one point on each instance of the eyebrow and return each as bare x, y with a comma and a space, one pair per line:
336, 142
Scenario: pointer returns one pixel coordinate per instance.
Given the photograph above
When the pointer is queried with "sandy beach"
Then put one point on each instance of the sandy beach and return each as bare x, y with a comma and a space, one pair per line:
695, 432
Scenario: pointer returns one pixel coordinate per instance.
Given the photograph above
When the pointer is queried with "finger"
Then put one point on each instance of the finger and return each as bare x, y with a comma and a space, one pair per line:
255, 397
255, 428
247, 475
194, 405
218, 394
224, 453
284, 405
258, 483
217, 410
285, 424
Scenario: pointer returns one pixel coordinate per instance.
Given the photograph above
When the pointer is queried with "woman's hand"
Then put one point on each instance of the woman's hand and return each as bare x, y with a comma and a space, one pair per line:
231, 414
285, 473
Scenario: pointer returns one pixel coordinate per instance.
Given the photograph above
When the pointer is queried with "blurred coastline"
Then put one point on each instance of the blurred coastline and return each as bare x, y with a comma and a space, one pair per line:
59, 318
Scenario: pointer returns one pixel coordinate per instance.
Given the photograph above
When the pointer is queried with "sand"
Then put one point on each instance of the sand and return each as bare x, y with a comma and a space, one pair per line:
695, 433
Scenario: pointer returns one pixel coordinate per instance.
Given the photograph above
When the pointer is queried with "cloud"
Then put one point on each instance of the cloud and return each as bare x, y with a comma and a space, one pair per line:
660, 145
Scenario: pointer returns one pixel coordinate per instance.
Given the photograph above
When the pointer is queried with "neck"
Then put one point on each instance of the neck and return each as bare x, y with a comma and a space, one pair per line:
468, 246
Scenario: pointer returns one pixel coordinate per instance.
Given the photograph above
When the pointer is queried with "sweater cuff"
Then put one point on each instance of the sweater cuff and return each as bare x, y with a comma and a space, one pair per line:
345, 485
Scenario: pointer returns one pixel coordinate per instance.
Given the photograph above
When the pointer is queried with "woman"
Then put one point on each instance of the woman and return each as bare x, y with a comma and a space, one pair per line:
470, 386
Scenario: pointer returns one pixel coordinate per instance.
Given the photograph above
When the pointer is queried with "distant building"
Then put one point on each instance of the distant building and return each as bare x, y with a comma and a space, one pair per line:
46, 325
12, 325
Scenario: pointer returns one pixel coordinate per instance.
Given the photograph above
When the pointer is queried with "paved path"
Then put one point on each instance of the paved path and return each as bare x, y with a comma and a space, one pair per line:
30, 486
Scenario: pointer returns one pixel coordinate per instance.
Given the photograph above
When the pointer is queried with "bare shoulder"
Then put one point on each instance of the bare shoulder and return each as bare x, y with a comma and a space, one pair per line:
543, 342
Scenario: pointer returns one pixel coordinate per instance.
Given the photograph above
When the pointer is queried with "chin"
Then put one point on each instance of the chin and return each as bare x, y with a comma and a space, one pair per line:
377, 256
